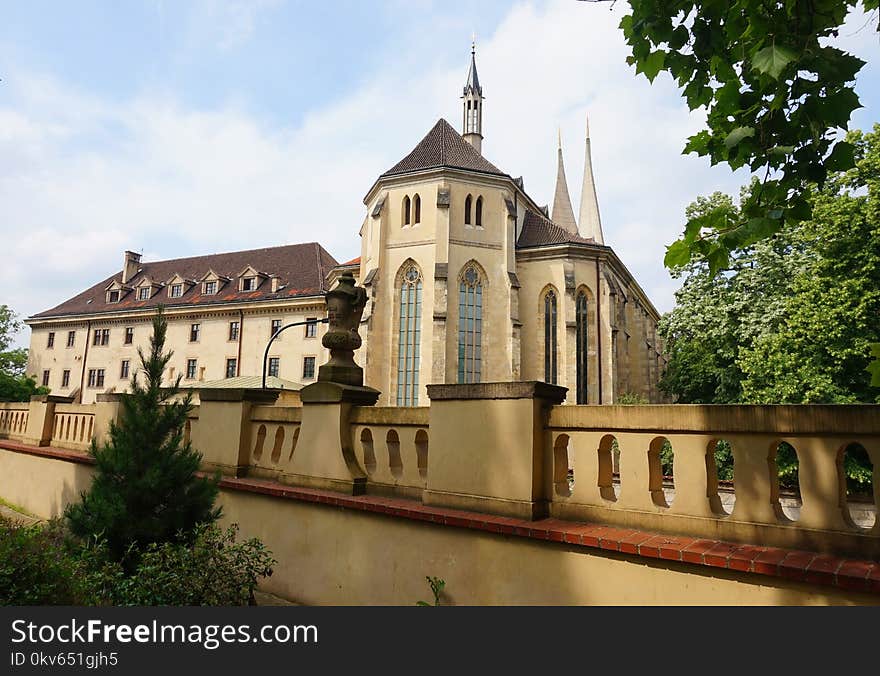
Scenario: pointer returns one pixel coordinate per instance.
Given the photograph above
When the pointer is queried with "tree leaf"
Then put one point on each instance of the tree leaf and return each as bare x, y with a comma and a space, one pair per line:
842, 157
772, 60
678, 254
737, 135
653, 64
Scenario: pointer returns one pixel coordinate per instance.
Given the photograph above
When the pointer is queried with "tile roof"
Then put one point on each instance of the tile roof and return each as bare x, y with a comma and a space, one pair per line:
443, 147
539, 230
301, 269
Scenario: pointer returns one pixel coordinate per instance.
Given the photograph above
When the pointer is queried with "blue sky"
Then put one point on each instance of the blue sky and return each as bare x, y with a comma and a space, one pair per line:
180, 129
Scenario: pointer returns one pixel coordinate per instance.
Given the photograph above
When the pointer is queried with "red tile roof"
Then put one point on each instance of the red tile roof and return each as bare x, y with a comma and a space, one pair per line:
301, 269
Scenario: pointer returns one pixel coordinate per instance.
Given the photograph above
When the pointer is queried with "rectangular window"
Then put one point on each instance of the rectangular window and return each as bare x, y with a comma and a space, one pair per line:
176, 290
50, 341
210, 288
123, 371
65, 378
231, 368
274, 362
96, 340
129, 335
276, 324
308, 368
312, 327
233, 330
46, 378
105, 336
113, 297
194, 332
71, 338
248, 284
96, 377
191, 369
144, 293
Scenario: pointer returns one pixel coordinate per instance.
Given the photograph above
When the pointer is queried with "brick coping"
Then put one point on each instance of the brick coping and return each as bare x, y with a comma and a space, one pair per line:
860, 575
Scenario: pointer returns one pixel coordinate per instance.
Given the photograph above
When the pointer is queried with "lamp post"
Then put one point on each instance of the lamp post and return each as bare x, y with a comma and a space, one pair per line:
278, 333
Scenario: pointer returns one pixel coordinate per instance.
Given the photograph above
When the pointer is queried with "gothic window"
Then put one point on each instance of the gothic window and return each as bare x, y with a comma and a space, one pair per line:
470, 329
467, 210
478, 214
550, 337
406, 209
581, 318
409, 337
417, 209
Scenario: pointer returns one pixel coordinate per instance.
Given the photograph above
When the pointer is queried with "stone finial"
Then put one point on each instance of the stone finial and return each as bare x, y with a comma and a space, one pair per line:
345, 306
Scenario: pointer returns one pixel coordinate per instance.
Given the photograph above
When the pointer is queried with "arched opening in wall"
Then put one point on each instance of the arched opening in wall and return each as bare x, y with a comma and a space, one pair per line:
719, 477
478, 213
187, 432
261, 439
404, 217
368, 450
82, 430
417, 209
661, 477
91, 428
279, 443
467, 209
66, 427
608, 465
293, 442
550, 339
422, 452
563, 473
785, 489
395, 464
855, 473
75, 427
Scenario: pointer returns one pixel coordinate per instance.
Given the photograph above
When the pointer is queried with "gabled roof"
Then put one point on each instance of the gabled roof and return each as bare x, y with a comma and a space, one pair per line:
537, 230
443, 147
301, 269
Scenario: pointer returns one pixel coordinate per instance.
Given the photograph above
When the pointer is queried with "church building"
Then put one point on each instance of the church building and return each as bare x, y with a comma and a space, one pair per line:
468, 280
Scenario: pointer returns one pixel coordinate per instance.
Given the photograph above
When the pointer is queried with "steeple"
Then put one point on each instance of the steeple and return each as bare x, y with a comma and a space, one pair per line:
472, 105
562, 214
590, 224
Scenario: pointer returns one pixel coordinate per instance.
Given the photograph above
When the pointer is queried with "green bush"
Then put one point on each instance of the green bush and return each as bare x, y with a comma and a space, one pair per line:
44, 565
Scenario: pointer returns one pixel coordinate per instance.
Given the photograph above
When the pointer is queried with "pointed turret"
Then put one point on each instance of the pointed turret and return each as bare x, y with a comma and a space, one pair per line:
589, 222
472, 106
562, 214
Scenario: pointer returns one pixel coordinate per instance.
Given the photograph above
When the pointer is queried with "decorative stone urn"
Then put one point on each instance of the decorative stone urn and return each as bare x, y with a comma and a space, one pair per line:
345, 306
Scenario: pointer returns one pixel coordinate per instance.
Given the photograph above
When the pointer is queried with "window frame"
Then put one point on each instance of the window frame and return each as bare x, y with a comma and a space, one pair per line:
311, 328
234, 331
232, 361
191, 365
551, 337
314, 364
274, 364
124, 369
50, 340
210, 287
45, 379
175, 290
195, 332
144, 293
470, 324
129, 336
65, 378
71, 338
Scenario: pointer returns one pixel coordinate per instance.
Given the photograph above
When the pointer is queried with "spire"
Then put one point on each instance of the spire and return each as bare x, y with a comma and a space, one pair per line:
472, 105
590, 223
562, 214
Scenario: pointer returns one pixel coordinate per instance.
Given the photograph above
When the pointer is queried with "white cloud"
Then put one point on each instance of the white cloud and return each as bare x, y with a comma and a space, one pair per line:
82, 179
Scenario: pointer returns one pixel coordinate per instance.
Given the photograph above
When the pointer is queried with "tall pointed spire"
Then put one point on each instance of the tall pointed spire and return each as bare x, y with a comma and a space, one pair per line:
562, 214
589, 221
472, 105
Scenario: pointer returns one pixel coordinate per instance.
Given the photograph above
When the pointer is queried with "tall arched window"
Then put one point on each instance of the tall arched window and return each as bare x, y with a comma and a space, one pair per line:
478, 213
550, 337
467, 210
470, 325
409, 335
406, 208
581, 319
417, 209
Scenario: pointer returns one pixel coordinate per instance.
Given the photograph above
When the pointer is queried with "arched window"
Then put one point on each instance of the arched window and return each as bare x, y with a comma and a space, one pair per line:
409, 335
467, 210
406, 207
470, 329
478, 214
417, 209
581, 318
550, 337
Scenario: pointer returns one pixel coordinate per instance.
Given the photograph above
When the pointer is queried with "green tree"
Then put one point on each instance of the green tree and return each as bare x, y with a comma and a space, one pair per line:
146, 488
14, 384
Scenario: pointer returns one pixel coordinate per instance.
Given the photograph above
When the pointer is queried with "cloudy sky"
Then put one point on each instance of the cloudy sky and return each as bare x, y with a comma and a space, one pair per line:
186, 128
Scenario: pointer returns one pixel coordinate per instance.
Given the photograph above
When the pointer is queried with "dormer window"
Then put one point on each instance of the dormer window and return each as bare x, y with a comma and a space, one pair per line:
248, 283
144, 293
176, 290
210, 288
113, 296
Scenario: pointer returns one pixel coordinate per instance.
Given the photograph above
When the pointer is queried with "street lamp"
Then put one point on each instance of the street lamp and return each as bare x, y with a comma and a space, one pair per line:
278, 333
